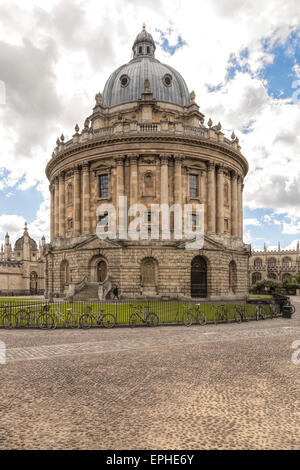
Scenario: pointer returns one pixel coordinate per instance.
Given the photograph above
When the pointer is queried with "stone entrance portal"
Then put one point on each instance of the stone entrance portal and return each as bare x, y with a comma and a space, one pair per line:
198, 277
101, 271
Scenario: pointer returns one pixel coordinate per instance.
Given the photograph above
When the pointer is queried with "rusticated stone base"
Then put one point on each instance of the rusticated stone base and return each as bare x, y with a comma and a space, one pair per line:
156, 270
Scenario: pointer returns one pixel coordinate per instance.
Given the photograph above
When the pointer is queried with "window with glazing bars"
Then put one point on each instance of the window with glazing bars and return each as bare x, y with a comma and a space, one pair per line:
103, 185
193, 185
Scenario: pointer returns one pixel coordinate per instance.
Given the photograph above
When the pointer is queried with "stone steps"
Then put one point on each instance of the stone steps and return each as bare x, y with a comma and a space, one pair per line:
88, 293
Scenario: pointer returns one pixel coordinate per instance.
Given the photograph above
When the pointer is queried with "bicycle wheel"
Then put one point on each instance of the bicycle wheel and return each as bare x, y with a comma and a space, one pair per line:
238, 316
8, 321
85, 321
72, 320
132, 320
187, 318
153, 319
22, 318
108, 320
46, 321
201, 318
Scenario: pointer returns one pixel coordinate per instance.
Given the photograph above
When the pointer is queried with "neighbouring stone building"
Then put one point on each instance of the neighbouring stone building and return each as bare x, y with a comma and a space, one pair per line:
146, 139
274, 264
22, 268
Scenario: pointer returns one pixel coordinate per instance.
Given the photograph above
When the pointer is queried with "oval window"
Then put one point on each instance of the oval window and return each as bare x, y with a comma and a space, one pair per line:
167, 80
124, 79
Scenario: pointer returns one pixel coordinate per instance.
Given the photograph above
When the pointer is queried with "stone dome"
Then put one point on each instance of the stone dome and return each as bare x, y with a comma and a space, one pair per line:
126, 84
20, 242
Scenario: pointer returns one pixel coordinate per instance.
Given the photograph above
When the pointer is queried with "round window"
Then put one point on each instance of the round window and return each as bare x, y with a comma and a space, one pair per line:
124, 79
167, 80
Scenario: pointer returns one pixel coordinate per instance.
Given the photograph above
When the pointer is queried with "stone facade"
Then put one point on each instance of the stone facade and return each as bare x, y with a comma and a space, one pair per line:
151, 151
22, 269
274, 264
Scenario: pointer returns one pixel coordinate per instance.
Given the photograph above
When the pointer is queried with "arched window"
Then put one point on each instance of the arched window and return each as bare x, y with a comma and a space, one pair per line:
272, 276
286, 263
272, 263
286, 276
33, 282
232, 277
258, 263
140, 50
69, 193
256, 277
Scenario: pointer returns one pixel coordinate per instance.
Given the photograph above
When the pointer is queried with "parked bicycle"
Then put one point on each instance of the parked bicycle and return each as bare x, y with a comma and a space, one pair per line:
185, 317
200, 318
149, 318
220, 314
240, 314
7, 317
87, 320
261, 312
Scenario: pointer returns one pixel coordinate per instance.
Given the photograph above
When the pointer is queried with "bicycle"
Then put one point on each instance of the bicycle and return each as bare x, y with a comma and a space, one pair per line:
220, 314
240, 314
274, 311
25, 316
261, 313
186, 318
7, 318
47, 320
150, 318
201, 318
107, 320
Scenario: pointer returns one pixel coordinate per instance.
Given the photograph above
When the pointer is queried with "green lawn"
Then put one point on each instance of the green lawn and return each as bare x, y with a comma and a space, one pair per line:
257, 296
168, 312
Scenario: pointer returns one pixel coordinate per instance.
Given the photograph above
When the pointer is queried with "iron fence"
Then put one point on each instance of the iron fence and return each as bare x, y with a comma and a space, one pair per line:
29, 313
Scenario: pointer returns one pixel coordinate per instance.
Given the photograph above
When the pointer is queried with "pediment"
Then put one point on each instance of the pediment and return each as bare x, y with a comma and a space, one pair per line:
209, 244
96, 243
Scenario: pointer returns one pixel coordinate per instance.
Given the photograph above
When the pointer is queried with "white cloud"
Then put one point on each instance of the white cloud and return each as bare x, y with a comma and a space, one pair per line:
252, 221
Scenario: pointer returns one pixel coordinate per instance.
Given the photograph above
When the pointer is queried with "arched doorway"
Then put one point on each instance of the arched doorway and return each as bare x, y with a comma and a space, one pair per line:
101, 271
198, 277
33, 283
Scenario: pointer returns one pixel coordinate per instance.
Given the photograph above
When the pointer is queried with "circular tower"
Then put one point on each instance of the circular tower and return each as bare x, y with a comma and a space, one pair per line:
145, 142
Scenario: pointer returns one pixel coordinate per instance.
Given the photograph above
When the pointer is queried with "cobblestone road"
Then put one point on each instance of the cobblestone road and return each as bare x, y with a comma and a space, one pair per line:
224, 386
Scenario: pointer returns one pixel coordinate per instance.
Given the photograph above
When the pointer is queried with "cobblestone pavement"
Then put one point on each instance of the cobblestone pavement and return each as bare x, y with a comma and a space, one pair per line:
219, 386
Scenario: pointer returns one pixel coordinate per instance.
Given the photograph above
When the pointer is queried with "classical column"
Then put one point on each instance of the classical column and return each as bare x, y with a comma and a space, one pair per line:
119, 177
119, 191
52, 218
211, 197
76, 201
234, 205
240, 206
133, 178
220, 199
178, 180
164, 179
86, 197
61, 189
56, 207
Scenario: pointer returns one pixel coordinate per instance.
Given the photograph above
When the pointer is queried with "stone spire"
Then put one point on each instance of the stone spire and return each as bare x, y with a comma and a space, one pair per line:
7, 247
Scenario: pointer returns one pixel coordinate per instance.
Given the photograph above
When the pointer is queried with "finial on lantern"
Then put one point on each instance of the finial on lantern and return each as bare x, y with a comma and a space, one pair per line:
144, 26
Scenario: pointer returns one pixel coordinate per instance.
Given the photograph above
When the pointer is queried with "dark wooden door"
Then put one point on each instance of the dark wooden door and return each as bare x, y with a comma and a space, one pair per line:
101, 271
198, 277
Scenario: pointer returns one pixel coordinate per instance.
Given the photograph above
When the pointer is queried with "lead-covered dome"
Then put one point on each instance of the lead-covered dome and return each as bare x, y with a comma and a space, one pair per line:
126, 84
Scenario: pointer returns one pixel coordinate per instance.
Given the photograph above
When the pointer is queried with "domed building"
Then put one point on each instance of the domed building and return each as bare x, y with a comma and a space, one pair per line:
146, 140
22, 267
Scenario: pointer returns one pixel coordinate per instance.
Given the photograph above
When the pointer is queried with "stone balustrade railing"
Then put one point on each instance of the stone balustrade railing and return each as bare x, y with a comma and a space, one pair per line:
123, 128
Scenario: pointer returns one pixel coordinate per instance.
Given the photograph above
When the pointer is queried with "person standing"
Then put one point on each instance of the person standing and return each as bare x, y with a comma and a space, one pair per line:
116, 293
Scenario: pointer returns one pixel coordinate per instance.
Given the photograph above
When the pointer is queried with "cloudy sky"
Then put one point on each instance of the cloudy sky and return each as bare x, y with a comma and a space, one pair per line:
242, 58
